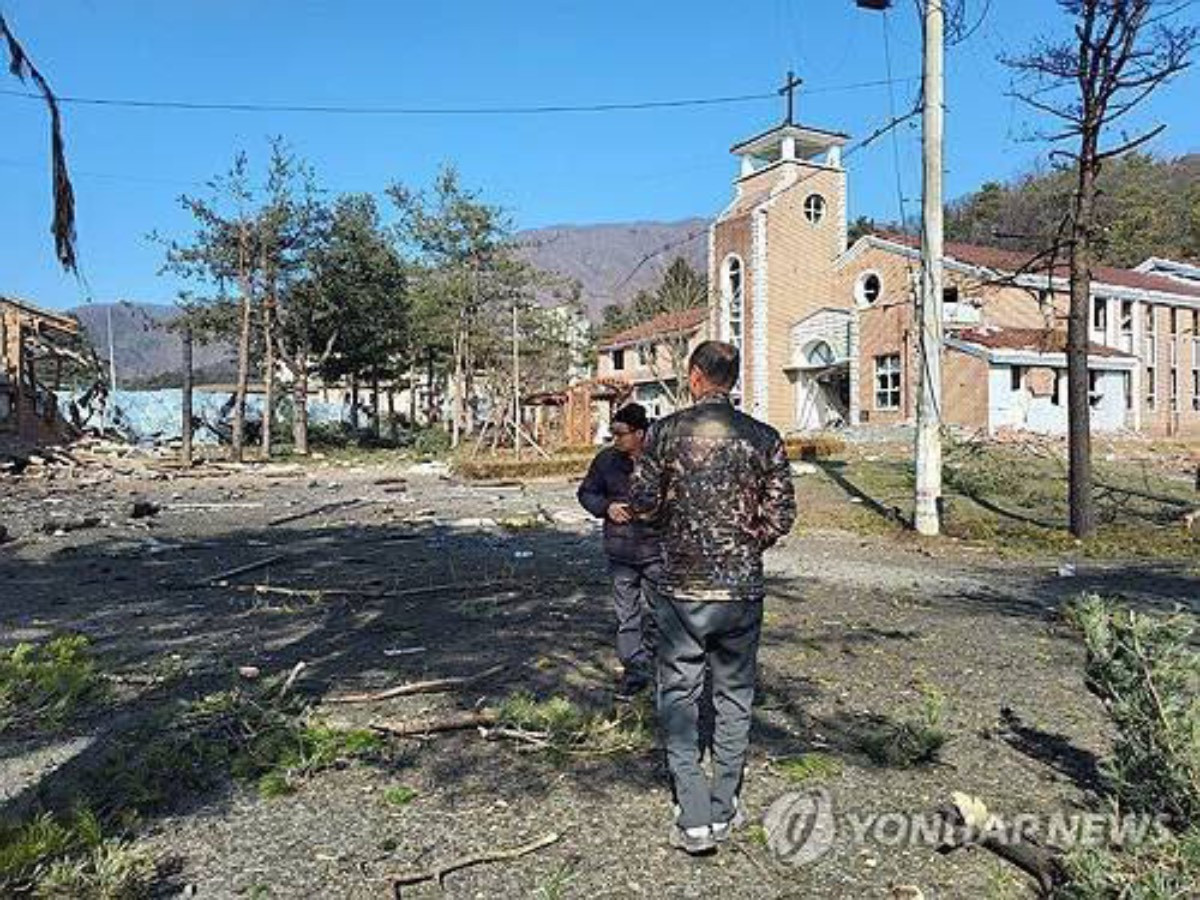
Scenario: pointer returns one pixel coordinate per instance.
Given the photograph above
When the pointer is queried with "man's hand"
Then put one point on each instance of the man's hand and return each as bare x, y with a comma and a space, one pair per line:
620, 513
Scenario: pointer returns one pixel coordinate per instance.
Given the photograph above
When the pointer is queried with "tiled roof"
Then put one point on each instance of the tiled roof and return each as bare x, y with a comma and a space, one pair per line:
1000, 260
1033, 340
662, 325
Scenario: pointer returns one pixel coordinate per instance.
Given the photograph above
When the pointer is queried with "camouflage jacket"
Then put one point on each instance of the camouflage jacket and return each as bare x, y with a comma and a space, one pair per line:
719, 484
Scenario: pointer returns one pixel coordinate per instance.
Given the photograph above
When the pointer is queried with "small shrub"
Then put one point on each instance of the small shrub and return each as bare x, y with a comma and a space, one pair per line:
1147, 674
283, 753
247, 735
431, 441
555, 886
400, 795
1164, 869
327, 434
909, 743
809, 767
557, 718
112, 870
47, 683
72, 858
561, 728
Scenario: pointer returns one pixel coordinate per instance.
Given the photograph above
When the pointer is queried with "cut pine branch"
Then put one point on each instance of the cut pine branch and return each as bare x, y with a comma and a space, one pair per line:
433, 686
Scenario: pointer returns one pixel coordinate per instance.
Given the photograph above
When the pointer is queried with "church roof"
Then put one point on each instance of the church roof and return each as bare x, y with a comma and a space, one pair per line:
663, 325
809, 140
1015, 261
1031, 340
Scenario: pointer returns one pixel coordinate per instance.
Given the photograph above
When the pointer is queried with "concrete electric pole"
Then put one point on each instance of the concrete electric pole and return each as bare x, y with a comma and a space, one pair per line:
929, 404
927, 519
516, 375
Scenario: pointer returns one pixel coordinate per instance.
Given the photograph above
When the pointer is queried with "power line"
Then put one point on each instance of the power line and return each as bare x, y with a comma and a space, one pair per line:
448, 111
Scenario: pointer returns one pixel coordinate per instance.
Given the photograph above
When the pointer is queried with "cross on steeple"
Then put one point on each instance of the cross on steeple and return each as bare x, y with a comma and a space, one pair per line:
789, 89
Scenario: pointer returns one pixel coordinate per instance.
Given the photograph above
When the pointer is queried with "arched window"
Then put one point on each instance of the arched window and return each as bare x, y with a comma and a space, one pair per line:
814, 208
820, 354
732, 299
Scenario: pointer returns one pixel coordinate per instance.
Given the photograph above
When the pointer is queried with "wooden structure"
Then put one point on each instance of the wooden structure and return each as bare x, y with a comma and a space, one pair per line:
570, 417
33, 348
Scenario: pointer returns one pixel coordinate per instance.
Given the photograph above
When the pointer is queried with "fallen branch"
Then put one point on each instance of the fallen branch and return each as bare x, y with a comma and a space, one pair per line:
297, 669
535, 739
308, 593
379, 593
433, 686
970, 824
220, 577
208, 507
439, 874
315, 511
461, 721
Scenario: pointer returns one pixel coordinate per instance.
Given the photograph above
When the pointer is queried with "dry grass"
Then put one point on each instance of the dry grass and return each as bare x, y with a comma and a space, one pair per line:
1013, 499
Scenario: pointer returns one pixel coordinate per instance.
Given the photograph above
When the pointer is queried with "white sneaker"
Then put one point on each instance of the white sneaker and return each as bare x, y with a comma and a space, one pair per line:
694, 841
722, 830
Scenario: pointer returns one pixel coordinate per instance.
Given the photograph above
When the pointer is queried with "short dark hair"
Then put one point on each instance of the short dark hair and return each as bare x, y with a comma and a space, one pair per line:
633, 415
717, 361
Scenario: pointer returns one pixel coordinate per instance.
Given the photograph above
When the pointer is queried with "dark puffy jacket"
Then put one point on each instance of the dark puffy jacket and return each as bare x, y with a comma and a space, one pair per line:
720, 486
607, 481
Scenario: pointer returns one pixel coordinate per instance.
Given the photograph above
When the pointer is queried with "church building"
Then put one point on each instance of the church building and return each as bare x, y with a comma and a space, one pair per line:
828, 331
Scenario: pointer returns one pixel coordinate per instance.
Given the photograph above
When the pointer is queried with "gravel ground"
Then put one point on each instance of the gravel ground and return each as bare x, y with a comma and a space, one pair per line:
859, 629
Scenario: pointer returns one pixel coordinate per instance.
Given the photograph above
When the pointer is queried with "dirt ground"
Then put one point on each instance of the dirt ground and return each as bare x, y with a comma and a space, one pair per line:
862, 625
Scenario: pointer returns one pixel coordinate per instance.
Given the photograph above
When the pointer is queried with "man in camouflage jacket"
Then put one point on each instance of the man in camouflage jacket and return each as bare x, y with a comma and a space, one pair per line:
719, 484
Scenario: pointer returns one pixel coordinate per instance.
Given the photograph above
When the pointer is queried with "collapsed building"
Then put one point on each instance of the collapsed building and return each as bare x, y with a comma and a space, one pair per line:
36, 351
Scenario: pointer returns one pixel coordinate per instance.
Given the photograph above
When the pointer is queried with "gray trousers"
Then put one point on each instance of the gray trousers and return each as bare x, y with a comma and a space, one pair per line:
724, 637
635, 593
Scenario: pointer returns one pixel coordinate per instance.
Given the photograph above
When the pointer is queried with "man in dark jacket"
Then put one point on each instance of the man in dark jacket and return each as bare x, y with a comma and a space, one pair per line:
719, 484
634, 555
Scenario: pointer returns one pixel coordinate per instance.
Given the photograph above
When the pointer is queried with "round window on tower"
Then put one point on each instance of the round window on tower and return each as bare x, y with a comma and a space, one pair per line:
868, 288
814, 208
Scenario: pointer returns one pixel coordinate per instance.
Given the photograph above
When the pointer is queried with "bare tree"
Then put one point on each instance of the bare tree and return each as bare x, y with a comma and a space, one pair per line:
63, 224
1119, 53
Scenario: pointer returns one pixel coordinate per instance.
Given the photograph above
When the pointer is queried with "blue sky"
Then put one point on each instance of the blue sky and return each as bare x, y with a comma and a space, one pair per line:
130, 165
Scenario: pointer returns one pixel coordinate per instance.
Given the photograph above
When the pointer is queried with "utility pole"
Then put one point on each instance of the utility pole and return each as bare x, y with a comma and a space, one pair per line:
185, 448
929, 401
112, 374
516, 369
926, 518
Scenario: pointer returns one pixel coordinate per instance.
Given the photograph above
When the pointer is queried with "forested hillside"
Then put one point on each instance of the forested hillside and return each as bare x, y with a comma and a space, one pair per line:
1148, 207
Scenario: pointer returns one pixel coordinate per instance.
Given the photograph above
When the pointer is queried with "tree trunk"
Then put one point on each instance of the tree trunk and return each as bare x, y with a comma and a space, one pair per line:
268, 374
393, 425
412, 393
354, 405
430, 408
1079, 431
457, 413
243, 375
185, 449
300, 405
377, 423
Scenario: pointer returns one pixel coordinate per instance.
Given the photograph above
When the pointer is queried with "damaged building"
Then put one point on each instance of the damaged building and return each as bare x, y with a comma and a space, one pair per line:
36, 350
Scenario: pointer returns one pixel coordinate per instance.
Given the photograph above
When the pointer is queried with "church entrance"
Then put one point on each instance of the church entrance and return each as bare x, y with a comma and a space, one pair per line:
822, 386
